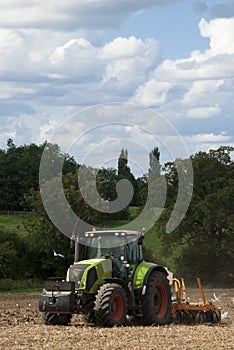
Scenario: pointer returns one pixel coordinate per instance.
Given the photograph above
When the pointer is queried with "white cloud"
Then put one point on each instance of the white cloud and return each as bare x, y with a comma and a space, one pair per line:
54, 69
128, 61
47, 129
210, 138
71, 14
196, 81
205, 142
203, 112
221, 34
200, 90
75, 71
152, 93
129, 47
23, 127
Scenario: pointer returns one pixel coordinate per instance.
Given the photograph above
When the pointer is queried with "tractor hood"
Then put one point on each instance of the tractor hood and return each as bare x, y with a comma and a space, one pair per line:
89, 275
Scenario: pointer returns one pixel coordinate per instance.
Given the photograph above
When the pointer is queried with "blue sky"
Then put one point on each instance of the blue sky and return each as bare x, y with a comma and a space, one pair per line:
174, 57
175, 26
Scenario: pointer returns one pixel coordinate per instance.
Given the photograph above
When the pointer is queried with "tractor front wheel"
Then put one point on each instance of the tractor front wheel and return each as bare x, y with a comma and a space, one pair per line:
156, 303
110, 306
56, 319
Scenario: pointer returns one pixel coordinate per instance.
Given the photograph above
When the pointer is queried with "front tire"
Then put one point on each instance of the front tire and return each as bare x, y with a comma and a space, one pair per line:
110, 306
156, 303
56, 319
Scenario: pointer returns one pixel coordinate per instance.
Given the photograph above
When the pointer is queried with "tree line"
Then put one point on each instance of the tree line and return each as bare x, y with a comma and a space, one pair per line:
202, 245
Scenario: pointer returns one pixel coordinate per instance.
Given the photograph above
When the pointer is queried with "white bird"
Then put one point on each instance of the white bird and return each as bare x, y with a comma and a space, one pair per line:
232, 300
57, 254
217, 299
224, 315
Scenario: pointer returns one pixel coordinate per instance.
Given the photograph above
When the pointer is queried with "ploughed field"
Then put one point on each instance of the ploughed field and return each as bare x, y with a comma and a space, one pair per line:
21, 328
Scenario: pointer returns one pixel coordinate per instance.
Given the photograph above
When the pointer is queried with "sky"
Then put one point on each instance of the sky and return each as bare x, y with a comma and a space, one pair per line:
99, 75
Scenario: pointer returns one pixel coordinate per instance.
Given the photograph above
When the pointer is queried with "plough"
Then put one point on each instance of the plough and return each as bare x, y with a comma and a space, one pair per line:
182, 311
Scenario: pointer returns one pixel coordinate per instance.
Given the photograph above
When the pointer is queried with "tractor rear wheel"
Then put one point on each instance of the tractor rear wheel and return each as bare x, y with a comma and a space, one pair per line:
156, 303
56, 319
110, 306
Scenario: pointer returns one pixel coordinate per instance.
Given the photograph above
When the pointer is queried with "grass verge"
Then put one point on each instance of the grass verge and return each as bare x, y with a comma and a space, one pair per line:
8, 285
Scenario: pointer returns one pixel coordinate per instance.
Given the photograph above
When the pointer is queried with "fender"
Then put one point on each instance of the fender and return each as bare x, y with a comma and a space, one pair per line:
151, 269
142, 273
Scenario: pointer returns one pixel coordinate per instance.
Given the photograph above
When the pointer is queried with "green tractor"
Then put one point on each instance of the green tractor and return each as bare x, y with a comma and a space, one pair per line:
108, 281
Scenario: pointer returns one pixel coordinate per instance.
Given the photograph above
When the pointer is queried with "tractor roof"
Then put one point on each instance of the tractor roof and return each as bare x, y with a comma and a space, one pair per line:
113, 232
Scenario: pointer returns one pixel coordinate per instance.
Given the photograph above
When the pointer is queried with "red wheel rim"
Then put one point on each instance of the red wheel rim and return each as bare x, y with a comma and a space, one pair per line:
164, 302
117, 307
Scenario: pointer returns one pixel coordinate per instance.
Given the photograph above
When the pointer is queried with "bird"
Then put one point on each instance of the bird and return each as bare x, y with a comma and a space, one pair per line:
232, 300
224, 315
217, 299
57, 254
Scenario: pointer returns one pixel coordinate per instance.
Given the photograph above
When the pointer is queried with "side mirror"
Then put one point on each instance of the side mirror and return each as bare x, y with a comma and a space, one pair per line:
140, 240
142, 233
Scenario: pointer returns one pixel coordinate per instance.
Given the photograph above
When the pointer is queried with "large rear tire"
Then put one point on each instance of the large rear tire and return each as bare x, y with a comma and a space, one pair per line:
156, 303
56, 319
110, 306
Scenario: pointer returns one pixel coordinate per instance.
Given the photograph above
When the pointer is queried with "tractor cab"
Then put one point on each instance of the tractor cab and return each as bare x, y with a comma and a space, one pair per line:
124, 248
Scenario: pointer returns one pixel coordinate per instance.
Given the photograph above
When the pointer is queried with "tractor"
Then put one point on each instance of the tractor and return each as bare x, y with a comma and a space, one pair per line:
108, 281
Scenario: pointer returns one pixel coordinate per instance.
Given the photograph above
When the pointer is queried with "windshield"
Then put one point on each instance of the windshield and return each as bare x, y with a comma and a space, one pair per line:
103, 245
120, 245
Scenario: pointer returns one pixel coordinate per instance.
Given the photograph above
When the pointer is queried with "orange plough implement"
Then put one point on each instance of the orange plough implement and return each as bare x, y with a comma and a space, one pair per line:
185, 312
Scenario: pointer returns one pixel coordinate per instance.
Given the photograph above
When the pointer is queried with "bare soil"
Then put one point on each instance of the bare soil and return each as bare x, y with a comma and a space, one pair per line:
21, 328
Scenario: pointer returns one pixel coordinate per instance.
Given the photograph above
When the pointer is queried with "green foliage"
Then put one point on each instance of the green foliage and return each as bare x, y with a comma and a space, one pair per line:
14, 223
11, 249
19, 171
202, 245
124, 172
106, 183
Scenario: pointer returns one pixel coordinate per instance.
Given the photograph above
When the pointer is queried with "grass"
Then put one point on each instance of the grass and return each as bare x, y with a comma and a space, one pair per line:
9, 285
23, 290
13, 223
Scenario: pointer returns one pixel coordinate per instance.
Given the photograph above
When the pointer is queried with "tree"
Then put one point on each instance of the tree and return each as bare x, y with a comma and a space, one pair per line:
12, 255
124, 173
19, 170
203, 244
156, 185
123, 169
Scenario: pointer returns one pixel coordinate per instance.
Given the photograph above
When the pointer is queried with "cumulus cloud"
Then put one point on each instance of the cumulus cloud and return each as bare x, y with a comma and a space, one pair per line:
203, 112
67, 71
199, 92
71, 14
53, 72
128, 61
20, 124
211, 137
221, 33
206, 141
152, 93
198, 80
